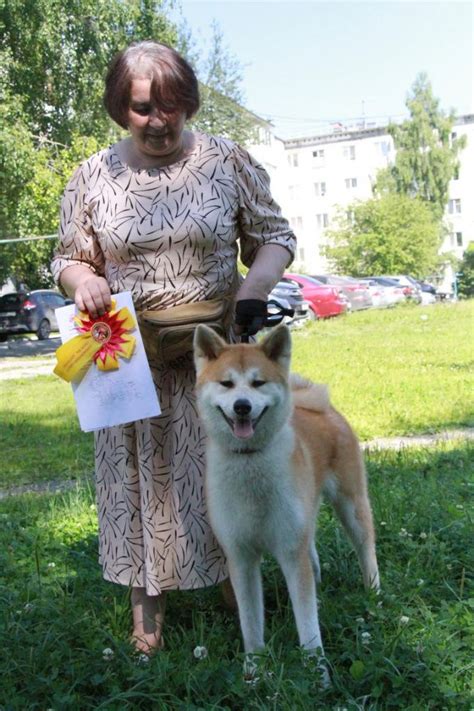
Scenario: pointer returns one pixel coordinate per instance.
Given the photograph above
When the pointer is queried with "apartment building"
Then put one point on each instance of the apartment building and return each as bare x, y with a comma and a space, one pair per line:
314, 177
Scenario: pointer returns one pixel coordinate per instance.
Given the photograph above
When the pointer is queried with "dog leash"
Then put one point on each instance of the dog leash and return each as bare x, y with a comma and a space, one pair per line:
274, 316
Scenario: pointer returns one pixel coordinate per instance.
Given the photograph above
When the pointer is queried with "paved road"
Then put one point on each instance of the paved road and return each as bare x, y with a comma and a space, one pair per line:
27, 357
20, 347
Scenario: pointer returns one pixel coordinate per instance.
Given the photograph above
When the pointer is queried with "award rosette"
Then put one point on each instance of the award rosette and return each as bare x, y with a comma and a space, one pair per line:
100, 341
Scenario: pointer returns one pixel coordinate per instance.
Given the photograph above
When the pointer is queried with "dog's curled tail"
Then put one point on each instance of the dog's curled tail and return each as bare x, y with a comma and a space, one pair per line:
311, 396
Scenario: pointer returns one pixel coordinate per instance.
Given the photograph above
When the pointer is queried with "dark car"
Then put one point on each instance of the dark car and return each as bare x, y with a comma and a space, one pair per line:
30, 312
290, 292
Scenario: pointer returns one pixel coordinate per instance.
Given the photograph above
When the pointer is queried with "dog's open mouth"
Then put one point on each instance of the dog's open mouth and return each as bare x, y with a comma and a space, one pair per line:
243, 427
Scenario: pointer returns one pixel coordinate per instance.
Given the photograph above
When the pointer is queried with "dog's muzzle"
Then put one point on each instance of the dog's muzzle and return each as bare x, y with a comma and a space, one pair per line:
242, 425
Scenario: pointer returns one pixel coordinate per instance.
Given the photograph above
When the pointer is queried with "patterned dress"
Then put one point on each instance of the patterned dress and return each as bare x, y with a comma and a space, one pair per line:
170, 236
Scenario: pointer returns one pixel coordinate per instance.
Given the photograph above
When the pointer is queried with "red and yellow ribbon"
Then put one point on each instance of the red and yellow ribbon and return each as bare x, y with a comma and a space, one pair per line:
101, 340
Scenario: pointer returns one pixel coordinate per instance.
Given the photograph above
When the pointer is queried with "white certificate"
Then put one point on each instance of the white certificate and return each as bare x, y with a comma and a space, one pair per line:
112, 397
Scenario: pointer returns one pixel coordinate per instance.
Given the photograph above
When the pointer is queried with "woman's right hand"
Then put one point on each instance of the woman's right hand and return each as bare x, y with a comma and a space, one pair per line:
93, 296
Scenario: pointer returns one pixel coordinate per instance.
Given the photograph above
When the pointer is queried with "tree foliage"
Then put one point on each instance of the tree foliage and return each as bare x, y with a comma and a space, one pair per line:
220, 75
387, 235
54, 55
426, 152
466, 273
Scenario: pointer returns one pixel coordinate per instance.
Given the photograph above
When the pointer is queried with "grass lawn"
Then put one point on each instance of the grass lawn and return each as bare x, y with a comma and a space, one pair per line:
397, 372
401, 371
410, 648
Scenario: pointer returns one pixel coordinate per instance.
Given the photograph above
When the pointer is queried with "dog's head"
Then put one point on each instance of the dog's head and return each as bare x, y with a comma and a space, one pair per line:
242, 389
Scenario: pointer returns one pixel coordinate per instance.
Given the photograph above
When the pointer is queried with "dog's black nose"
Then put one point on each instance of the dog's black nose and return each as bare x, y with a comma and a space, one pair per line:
242, 407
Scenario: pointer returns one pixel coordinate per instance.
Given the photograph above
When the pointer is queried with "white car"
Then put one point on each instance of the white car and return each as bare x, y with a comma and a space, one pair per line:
390, 292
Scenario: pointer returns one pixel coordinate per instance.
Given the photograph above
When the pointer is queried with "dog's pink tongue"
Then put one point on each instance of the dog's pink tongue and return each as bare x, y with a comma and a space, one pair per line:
243, 429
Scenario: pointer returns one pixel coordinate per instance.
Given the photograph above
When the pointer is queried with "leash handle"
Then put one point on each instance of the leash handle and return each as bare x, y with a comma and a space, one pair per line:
269, 320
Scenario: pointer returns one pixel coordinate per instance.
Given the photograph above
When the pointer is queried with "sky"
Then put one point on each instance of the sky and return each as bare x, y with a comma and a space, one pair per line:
307, 64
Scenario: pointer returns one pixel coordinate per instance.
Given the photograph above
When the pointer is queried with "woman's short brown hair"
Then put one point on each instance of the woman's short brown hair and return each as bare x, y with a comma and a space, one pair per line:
174, 86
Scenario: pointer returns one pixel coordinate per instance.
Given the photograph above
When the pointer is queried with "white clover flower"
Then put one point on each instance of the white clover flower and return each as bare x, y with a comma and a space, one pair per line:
143, 659
326, 566
403, 532
200, 652
420, 581
360, 620
383, 523
365, 637
424, 317
404, 620
107, 654
51, 565
423, 535
29, 607
459, 506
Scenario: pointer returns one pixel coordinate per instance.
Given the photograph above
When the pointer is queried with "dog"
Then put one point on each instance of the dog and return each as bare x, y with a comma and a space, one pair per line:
275, 445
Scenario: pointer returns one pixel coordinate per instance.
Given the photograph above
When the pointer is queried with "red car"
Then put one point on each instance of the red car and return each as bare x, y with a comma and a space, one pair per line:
324, 301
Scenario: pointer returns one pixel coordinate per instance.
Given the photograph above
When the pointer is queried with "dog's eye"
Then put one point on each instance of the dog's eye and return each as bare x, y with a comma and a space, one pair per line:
258, 383
226, 383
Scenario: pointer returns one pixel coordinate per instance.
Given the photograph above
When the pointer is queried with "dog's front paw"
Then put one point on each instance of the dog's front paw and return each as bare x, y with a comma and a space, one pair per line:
315, 659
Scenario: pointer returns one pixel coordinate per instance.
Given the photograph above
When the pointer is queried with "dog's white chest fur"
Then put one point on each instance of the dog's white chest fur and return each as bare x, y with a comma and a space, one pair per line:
252, 498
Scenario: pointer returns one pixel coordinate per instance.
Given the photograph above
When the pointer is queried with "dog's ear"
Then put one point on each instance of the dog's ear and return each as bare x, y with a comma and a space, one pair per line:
207, 346
277, 345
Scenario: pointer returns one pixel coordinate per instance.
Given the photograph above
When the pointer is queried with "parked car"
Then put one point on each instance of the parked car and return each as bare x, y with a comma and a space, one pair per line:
357, 294
396, 291
410, 286
324, 300
289, 293
384, 292
30, 312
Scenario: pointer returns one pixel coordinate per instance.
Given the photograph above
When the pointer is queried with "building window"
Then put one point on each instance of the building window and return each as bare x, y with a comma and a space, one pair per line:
383, 147
456, 172
350, 214
322, 220
318, 156
351, 183
458, 239
320, 189
293, 160
454, 207
294, 191
350, 152
296, 223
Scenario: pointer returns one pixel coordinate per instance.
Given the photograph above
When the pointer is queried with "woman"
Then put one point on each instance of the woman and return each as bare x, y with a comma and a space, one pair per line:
162, 214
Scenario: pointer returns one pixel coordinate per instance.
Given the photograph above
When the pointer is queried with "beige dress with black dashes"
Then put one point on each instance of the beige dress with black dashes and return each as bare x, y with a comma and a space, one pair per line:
170, 236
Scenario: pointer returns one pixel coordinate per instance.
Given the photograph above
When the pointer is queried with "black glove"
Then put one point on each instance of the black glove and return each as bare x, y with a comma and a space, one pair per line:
250, 315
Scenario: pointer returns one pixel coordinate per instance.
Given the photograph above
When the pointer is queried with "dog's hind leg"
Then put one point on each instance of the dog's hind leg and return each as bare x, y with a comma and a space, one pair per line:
246, 580
348, 495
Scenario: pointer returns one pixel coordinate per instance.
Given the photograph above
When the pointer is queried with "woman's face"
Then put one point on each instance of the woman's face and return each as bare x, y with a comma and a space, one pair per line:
154, 133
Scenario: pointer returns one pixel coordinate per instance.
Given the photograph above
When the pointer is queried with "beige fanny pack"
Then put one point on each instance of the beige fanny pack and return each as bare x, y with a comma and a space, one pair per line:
168, 334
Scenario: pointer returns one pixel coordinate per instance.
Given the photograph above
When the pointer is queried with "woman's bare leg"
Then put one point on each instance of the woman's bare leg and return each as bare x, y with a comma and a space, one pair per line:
148, 617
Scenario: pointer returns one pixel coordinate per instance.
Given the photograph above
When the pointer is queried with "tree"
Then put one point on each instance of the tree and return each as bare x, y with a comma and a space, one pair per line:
426, 152
466, 273
53, 58
222, 112
392, 234
56, 53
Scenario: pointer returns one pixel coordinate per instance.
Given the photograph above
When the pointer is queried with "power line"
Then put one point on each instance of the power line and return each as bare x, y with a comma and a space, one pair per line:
26, 239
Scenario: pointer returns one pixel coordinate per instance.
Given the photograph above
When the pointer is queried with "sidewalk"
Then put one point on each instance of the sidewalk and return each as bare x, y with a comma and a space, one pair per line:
58, 486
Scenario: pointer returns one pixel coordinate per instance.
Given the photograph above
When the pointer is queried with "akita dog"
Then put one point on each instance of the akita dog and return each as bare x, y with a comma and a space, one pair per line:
275, 446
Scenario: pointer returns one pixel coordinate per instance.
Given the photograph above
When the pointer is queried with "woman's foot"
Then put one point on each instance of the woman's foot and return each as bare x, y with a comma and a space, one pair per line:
148, 618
